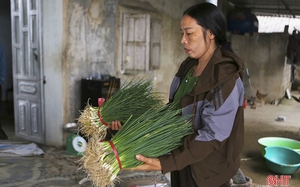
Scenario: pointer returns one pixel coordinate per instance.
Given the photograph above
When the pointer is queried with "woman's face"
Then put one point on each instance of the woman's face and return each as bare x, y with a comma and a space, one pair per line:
196, 44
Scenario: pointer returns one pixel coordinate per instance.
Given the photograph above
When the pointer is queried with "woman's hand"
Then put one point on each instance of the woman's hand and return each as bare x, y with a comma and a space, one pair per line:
149, 163
115, 125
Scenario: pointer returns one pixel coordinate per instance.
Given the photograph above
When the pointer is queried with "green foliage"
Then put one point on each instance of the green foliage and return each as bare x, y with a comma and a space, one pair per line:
154, 133
133, 99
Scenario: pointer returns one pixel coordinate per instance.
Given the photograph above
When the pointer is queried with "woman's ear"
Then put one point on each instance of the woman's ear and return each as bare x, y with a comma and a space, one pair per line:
210, 34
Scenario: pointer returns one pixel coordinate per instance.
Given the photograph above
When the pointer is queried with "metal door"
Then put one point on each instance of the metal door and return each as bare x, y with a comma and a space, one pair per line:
27, 69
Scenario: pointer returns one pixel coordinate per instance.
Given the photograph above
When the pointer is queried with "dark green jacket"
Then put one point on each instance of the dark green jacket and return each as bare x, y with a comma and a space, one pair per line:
210, 156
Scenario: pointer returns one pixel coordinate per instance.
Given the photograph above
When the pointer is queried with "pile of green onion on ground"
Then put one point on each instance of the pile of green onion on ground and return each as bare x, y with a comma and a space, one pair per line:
132, 99
154, 133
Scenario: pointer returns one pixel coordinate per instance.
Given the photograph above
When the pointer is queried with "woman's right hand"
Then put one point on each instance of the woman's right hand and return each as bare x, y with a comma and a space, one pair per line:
115, 125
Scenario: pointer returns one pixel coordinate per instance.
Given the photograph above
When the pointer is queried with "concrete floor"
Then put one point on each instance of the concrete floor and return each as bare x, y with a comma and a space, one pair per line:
259, 122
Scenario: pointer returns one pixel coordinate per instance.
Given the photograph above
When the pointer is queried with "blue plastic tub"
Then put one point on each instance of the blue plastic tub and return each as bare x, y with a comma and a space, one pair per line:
282, 160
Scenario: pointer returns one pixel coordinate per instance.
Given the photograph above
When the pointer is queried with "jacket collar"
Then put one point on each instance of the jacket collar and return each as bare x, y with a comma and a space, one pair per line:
221, 67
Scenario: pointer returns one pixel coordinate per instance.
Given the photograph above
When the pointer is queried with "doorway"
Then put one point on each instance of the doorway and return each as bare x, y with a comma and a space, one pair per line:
27, 69
6, 99
23, 18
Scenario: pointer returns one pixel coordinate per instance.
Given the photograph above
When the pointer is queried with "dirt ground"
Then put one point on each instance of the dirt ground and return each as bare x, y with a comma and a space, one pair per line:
261, 122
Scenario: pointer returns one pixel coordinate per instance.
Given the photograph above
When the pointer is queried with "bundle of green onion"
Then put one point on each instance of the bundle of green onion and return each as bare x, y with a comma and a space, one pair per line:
132, 99
154, 133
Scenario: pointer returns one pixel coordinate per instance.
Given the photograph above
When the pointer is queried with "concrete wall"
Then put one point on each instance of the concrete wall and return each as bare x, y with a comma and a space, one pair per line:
88, 31
52, 15
264, 56
77, 33
92, 32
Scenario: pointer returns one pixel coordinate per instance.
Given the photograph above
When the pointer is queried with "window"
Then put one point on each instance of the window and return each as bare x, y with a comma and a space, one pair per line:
140, 42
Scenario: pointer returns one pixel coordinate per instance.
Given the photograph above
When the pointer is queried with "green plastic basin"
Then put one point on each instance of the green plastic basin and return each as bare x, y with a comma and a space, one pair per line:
278, 141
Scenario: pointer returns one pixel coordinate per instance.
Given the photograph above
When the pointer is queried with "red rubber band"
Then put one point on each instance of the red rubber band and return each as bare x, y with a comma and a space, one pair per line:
100, 103
101, 119
116, 153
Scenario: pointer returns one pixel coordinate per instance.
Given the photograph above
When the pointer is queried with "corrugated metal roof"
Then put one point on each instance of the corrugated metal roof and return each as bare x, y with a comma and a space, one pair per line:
270, 7
270, 24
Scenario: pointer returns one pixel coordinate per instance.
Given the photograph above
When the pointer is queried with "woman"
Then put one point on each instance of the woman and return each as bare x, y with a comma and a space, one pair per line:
208, 84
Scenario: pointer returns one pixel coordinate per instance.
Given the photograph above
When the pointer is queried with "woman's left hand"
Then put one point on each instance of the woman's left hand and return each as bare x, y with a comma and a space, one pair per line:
115, 125
149, 163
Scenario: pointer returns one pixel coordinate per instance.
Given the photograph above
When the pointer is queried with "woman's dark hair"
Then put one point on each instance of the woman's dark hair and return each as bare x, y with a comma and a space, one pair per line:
209, 17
